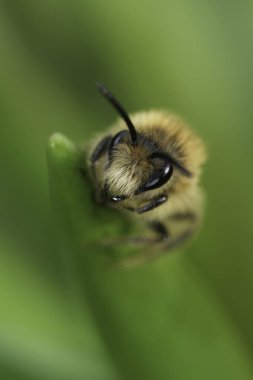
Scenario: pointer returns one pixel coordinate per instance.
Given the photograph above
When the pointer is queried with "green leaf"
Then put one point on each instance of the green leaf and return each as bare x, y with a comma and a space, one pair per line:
159, 320
44, 334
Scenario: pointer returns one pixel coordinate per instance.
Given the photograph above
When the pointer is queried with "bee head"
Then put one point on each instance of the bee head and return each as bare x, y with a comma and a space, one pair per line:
135, 163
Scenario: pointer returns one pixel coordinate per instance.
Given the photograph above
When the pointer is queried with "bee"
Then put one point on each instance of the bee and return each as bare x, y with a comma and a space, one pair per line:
148, 166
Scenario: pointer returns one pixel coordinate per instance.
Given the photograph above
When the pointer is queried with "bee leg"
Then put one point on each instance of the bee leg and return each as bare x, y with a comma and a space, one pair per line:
173, 243
99, 149
153, 204
161, 246
167, 238
164, 242
189, 221
160, 229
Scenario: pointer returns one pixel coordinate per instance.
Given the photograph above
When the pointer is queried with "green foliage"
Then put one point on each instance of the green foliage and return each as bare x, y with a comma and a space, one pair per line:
67, 312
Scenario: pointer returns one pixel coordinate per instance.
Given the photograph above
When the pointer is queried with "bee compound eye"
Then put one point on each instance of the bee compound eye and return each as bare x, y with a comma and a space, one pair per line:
159, 178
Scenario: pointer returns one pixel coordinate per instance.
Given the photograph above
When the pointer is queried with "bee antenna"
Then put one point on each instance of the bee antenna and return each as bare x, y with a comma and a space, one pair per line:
108, 95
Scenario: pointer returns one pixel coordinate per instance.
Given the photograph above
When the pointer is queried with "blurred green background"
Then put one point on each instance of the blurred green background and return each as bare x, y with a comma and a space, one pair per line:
194, 57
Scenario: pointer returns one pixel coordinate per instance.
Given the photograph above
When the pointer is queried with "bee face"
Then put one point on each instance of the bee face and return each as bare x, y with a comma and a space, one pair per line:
132, 169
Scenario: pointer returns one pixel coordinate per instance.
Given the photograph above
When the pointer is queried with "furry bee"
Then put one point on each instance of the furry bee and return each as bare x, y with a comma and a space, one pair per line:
148, 165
